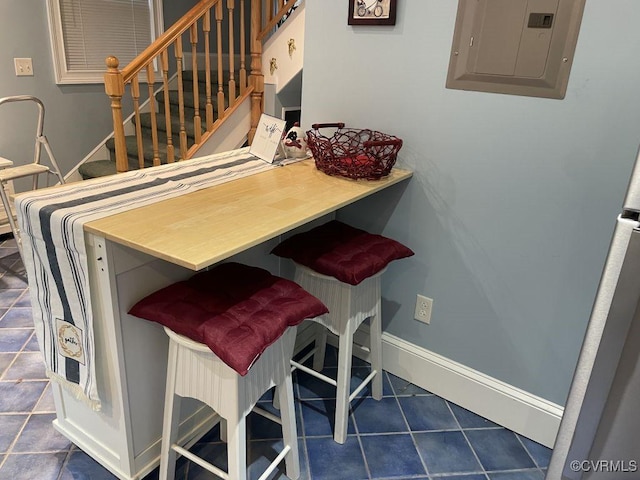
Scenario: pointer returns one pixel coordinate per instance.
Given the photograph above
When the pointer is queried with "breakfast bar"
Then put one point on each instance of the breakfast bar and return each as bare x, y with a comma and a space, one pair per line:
136, 252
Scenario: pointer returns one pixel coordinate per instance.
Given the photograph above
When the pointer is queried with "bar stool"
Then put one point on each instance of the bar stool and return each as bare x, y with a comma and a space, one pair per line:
343, 267
231, 337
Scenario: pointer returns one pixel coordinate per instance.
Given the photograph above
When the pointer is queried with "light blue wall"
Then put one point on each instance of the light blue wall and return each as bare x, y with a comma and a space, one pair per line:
514, 199
78, 117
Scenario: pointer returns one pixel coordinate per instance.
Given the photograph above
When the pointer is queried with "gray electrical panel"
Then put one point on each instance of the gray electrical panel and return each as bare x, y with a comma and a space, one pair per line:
519, 47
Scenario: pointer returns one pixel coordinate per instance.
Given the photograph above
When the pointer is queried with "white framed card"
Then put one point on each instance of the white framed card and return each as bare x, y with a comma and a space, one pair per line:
267, 138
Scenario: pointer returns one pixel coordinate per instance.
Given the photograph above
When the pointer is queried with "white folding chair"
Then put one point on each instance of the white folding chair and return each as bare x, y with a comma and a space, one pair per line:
33, 169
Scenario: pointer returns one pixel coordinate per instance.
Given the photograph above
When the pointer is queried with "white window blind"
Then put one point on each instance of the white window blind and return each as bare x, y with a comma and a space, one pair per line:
86, 32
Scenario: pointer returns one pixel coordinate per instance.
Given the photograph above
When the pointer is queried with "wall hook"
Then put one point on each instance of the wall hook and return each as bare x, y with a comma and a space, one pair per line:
292, 47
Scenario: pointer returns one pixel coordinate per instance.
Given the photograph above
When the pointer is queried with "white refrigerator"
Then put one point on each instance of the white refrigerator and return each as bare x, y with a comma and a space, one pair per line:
600, 429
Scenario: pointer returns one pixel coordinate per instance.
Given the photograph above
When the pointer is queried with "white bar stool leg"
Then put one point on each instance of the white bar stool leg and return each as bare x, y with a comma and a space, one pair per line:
375, 350
321, 348
345, 351
171, 418
237, 445
289, 434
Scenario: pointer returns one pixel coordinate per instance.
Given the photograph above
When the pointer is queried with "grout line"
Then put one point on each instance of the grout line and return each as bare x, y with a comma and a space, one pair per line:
413, 439
527, 450
473, 450
355, 426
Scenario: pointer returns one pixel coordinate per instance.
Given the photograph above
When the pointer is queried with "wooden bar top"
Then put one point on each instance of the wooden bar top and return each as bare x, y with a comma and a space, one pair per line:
201, 228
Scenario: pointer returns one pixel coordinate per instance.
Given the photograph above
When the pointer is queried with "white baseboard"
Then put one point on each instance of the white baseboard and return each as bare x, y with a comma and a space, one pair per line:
504, 404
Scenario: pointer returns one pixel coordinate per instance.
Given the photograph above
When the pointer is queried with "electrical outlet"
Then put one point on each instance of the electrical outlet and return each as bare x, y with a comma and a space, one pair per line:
24, 67
424, 305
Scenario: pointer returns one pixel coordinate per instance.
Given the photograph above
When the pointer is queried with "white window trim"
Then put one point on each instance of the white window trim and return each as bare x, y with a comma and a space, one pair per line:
62, 74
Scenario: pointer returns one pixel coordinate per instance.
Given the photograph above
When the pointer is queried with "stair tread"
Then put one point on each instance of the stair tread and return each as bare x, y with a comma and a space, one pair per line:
147, 148
188, 99
145, 122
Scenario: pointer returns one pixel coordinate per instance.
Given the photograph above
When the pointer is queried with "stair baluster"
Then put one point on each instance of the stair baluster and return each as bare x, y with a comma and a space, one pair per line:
183, 130
220, 97
206, 28
243, 51
197, 121
232, 80
135, 93
171, 156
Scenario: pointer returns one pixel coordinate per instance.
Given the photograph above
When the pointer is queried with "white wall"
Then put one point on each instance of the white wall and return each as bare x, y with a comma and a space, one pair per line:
513, 200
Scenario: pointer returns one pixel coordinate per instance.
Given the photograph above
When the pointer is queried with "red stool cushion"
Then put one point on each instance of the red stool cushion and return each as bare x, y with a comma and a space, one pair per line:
235, 309
341, 251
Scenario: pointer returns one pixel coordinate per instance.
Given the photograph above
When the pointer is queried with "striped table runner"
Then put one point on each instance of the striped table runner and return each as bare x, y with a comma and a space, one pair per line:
55, 256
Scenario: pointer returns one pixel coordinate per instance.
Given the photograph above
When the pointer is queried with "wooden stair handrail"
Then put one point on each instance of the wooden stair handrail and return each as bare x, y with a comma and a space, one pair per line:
167, 38
251, 85
274, 21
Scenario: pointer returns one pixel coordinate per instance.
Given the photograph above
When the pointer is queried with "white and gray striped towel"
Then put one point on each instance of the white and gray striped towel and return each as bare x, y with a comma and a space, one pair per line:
55, 256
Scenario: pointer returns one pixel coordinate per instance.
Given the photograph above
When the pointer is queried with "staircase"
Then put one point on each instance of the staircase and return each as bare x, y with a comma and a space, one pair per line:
224, 110
99, 168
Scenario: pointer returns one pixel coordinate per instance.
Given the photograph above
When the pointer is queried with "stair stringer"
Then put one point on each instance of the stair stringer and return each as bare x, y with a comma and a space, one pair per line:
232, 133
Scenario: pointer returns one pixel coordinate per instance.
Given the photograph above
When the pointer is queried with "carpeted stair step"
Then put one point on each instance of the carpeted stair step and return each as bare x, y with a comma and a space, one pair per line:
147, 147
145, 123
189, 98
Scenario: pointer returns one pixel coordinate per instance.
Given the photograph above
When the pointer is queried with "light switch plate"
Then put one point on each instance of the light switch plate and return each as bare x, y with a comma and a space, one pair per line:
24, 67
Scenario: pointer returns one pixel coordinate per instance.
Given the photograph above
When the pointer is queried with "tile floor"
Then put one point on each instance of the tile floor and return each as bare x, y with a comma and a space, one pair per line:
410, 433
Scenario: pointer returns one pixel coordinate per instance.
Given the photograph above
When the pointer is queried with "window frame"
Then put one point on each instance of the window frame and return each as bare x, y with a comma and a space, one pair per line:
65, 76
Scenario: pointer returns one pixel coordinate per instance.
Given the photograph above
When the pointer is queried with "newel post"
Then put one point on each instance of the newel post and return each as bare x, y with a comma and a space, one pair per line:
256, 78
114, 86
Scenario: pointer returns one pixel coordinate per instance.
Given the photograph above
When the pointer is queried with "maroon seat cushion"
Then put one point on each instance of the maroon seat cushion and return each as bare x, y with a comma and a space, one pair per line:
235, 309
341, 251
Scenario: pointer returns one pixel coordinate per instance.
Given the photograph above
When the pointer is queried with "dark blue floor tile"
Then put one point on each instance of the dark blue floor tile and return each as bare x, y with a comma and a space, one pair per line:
473, 476
468, 419
214, 453
39, 435
14, 281
499, 449
24, 300
378, 416
358, 374
262, 452
27, 365
520, 475
540, 454
329, 460
80, 466
17, 318
404, 388
13, 339
17, 397
312, 388
46, 403
446, 452
318, 418
427, 413
10, 426
32, 345
9, 296
5, 361
391, 455
29, 467
261, 428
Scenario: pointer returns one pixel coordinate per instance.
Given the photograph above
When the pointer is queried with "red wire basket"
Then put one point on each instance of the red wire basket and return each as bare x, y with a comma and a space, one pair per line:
353, 153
